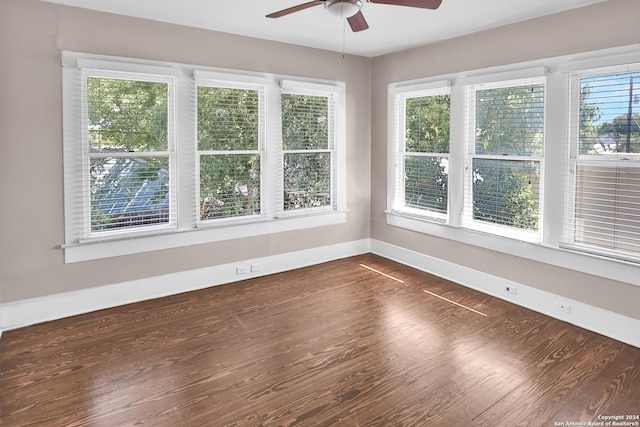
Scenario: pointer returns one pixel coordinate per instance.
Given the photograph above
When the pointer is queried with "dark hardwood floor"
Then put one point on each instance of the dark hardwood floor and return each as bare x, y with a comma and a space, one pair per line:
333, 344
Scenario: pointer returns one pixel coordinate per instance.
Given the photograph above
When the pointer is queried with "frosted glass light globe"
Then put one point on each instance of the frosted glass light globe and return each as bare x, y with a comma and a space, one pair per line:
343, 8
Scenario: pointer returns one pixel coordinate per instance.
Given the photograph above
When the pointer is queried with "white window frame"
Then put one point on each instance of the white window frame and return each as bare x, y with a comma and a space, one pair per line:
467, 220
76, 149
219, 80
575, 159
335, 148
187, 230
397, 124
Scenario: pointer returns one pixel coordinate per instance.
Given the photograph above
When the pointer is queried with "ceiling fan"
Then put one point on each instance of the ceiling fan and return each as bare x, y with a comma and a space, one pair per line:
350, 9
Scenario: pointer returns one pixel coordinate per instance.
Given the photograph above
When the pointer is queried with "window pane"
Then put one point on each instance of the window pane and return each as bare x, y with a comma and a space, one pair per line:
228, 119
427, 124
129, 192
126, 115
426, 180
608, 207
610, 114
506, 192
305, 122
510, 121
307, 180
229, 185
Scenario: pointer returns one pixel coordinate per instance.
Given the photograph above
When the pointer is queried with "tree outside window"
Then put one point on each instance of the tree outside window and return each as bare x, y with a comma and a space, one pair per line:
128, 144
508, 147
229, 152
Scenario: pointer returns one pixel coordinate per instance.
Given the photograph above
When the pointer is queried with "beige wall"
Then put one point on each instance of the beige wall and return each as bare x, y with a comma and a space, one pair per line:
605, 25
32, 35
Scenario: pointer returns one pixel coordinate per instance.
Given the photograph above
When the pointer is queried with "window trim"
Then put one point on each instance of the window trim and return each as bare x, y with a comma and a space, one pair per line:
466, 215
170, 152
188, 230
397, 96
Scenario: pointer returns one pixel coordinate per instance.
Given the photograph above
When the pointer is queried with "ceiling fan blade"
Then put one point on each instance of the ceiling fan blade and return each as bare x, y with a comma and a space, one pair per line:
423, 4
357, 22
297, 8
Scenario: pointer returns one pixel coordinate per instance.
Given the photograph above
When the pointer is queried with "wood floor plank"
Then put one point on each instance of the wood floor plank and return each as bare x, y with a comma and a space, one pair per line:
611, 392
352, 342
537, 400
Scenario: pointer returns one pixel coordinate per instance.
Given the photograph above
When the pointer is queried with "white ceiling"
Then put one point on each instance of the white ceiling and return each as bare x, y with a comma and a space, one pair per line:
391, 28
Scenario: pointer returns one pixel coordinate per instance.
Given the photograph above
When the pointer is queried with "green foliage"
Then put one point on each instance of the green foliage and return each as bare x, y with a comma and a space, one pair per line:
307, 175
127, 115
305, 123
618, 131
505, 193
427, 124
426, 183
589, 113
228, 119
510, 121
229, 185
307, 180
427, 121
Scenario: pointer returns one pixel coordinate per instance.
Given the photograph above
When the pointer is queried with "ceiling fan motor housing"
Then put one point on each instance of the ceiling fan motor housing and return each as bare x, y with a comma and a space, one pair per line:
343, 8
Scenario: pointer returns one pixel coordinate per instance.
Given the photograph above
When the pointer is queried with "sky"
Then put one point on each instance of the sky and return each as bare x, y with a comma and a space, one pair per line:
611, 94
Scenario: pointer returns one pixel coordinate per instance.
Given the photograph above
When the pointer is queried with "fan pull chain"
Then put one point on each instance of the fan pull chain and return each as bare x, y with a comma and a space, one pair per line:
344, 34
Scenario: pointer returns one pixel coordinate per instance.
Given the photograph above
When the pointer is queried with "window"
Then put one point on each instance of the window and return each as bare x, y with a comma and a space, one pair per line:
497, 180
129, 160
308, 140
604, 184
230, 151
422, 152
540, 160
504, 166
160, 155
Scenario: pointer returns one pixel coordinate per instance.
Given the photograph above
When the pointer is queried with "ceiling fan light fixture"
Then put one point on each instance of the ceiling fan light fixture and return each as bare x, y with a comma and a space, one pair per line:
343, 8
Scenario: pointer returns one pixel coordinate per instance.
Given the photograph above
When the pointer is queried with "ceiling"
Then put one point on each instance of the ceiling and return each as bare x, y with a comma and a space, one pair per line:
391, 28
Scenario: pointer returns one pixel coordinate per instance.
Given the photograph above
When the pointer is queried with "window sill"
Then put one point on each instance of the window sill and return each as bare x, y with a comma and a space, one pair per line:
558, 256
131, 244
414, 219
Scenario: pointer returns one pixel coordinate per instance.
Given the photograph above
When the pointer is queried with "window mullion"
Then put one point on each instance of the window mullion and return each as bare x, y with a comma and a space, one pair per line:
187, 164
273, 154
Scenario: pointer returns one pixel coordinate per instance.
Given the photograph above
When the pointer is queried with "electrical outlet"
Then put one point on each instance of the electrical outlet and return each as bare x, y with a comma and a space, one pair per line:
563, 306
242, 269
256, 267
511, 289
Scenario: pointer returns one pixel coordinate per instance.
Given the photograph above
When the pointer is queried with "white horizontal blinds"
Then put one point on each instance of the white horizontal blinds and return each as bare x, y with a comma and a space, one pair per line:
604, 209
129, 152
75, 156
424, 152
229, 150
504, 170
308, 144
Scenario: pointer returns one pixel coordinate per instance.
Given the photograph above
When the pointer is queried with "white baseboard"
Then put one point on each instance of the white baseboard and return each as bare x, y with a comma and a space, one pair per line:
31, 311
37, 310
607, 323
